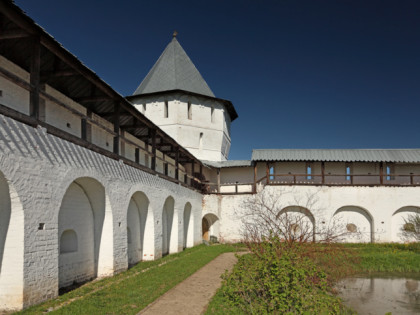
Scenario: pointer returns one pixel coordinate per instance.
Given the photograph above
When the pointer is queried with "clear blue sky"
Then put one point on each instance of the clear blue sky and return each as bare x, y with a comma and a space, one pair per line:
301, 74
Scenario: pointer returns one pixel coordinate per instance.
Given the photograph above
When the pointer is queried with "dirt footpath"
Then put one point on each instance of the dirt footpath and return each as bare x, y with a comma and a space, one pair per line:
193, 294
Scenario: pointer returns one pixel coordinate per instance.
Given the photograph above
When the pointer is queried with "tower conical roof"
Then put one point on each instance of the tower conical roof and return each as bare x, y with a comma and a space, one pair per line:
174, 70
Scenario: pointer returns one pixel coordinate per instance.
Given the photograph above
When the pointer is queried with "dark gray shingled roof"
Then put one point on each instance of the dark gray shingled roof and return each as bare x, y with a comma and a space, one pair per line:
338, 155
231, 163
174, 70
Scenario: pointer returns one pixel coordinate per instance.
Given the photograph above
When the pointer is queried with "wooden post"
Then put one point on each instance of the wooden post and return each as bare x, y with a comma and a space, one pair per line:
192, 172
323, 172
267, 173
254, 188
177, 163
411, 179
35, 69
137, 155
381, 173
218, 181
153, 135
117, 128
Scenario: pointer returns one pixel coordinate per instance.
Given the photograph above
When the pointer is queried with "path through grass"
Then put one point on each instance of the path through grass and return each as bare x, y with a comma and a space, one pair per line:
131, 291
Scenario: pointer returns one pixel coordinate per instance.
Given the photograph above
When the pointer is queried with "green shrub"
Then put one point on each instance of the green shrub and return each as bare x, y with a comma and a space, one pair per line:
280, 279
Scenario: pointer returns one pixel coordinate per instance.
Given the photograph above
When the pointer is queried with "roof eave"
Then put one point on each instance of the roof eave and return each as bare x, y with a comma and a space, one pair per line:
229, 106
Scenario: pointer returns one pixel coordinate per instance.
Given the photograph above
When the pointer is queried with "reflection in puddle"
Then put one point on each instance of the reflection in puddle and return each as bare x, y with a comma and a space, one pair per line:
381, 294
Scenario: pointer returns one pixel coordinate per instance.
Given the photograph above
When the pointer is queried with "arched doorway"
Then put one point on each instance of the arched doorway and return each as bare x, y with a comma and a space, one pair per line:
205, 226
356, 223
137, 218
210, 227
84, 225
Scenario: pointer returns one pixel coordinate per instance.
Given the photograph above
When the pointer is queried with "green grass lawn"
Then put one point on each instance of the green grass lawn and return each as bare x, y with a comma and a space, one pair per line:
132, 290
387, 257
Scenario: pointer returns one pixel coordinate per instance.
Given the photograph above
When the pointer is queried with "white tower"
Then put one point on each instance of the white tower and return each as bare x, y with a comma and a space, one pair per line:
175, 97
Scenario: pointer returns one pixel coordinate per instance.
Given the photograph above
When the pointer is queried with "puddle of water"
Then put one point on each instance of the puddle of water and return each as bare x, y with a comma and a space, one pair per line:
379, 294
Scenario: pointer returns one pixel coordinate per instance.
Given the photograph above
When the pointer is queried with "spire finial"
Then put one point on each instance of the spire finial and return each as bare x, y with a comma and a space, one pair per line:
174, 34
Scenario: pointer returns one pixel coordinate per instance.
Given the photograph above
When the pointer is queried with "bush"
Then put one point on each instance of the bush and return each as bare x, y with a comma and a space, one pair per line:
280, 279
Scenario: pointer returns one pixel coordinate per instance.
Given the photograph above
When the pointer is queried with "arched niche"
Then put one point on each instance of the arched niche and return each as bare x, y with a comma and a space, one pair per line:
140, 225
297, 222
188, 240
11, 246
357, 224
86, 211
209, 226
68, 242
168, 222
398, 221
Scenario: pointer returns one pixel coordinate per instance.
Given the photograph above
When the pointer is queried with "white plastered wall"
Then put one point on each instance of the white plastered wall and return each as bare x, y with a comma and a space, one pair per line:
357, 204
187, 131
41, 168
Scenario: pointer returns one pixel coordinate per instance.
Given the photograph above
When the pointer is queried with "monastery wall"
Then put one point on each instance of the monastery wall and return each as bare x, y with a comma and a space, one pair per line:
69, 214
377, 212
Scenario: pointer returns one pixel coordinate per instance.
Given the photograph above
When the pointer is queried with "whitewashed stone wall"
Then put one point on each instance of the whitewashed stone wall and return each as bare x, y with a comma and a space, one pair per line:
39, 169
378, 212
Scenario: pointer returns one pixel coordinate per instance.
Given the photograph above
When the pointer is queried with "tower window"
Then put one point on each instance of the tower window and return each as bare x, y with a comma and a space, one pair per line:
166, 110
308, 171
212, 114
201, 141
189, 110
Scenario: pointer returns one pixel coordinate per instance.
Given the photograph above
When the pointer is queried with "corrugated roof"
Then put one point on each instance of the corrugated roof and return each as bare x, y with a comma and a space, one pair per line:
338, 155
232, 163
174, 70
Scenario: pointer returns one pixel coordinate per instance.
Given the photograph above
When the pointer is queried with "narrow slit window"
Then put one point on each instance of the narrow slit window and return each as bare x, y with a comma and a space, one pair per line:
308, 171
189, 110
166, 110
272, 173
212, 114
348, 172
201, 141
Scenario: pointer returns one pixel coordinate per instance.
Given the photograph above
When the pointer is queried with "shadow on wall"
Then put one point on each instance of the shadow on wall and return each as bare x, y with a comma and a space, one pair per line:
167, 222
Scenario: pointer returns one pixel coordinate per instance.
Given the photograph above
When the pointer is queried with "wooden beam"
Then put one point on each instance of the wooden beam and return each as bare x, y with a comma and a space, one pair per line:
381, 173
58, 74
267, 172
177, 162
323, 172
117, 128
153, 136
218, 180
13, 34
91, 99
35, 67
254, 187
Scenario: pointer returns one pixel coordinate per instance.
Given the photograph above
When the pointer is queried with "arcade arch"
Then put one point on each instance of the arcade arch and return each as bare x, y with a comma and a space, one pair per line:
398, 221
84, 211
298, 222
188, 240
357, 223
168, 222
140, 236
209, 226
